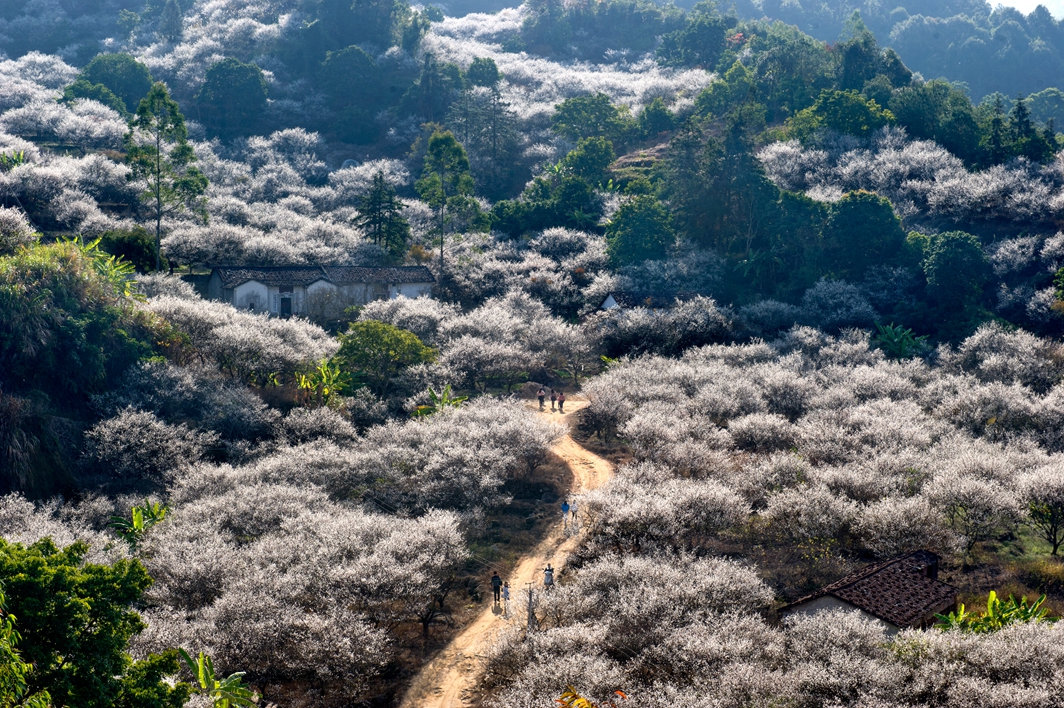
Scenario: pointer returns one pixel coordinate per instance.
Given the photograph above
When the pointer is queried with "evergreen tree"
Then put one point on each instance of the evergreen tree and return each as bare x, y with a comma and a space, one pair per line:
158, 151
446, 183
171, 25
381, 217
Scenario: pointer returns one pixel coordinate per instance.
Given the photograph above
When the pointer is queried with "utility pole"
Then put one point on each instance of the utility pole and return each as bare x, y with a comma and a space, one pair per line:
531, 614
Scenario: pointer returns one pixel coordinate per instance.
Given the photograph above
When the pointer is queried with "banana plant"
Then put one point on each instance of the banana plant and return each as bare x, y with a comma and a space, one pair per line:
141, 519
324, 384
439, 401
9, 161
900, 342
225, 692
999, 613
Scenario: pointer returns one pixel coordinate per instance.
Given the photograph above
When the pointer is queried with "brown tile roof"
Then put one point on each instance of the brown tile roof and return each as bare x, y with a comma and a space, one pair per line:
904, 591
305, 275
393, 274
271, 276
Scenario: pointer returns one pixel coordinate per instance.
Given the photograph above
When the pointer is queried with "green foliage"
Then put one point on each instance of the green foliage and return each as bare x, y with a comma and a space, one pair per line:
142, 518
94, 92
899, 342
158, 152
9, 161
377, 352
862, 230
69, 328
842, 111
435, 89
484, 72
439, 401
700, 43
351, 77
123, 75
559, 199
938, 111
447, 186
232, 98
323, 385
546, 28
76, 621
641, 230
380, 216
592, 116
135, 246
656, 119
998, 615
171, 24
14, 672
225, 692
590, 160
956, 269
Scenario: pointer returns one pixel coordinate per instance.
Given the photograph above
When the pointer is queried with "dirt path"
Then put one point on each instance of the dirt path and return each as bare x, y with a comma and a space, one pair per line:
447, 680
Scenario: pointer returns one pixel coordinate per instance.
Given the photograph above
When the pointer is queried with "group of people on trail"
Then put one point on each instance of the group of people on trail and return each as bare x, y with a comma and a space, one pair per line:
556, 397
501, 591
569, 517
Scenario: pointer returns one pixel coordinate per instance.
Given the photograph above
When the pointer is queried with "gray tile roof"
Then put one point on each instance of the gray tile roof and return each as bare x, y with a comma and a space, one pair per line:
275, 276
904, 591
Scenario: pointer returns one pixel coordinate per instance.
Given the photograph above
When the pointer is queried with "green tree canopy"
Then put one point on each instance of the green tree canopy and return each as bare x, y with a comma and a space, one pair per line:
123, 75
377, 352
14, 671
350, 76
862, 230
76, 619
656, 118
94, 92
957, 269
380, 215
842, 111
68, 329
447, 185
590, 160
700, 43
641, 230
591, 116
233, 98
171, 24
484, 72
158, 151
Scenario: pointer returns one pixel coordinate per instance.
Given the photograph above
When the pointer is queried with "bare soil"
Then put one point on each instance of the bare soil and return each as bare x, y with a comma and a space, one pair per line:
450, 679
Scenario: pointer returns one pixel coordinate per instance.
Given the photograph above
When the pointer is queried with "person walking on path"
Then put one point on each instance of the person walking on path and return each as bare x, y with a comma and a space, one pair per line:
565, 514
553, 398
572, 511
548, 577
561, 401
496, 585
506, 600
541, 395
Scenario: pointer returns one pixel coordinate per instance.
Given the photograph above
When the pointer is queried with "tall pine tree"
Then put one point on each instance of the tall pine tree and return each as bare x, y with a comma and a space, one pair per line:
380, 216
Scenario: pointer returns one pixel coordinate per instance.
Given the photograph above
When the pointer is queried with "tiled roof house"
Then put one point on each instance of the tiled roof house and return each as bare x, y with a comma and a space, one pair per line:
314, 291
901, 592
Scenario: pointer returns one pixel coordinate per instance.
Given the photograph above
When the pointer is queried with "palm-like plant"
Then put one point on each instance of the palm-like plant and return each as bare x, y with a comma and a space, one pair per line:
900, 342
440, 401
572, 699
142, 518
225, 692
998, 614
324, 384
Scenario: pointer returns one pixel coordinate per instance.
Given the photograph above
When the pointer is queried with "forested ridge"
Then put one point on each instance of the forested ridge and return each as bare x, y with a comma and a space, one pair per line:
799, 269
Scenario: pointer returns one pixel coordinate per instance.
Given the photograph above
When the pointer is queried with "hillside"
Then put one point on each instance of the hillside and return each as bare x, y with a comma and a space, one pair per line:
281, 283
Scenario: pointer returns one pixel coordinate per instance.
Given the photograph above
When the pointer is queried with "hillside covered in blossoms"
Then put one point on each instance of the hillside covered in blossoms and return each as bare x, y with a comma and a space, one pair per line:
598, 353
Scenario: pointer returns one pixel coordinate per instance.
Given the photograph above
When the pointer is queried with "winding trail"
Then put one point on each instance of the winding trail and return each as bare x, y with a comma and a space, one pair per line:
447, 681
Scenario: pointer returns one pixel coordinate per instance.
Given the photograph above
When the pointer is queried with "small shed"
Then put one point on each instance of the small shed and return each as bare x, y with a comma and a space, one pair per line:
314, 291
899, 593
623, 300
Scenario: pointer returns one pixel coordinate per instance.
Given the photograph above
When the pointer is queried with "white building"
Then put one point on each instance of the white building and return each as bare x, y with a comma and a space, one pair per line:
318, 292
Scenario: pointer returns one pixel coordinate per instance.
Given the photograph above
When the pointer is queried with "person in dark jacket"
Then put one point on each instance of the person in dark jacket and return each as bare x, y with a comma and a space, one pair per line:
496, 585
